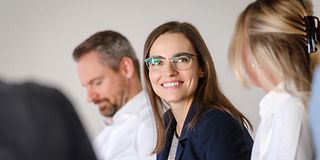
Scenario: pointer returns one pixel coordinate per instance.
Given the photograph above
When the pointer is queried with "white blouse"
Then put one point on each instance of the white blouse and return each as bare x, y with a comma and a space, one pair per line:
283, 133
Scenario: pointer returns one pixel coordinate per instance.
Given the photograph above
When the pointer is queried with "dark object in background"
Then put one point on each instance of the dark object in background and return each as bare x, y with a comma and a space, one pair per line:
40, 123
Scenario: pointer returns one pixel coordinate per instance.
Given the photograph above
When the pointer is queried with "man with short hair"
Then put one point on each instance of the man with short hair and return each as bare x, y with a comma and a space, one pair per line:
109, 70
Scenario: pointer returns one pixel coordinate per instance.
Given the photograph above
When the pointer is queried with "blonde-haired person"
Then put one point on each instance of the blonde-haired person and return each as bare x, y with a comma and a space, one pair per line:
274, 48
201, 123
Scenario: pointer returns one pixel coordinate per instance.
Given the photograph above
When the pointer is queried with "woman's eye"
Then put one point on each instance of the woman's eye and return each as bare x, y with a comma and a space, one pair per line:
182, 59
156, 62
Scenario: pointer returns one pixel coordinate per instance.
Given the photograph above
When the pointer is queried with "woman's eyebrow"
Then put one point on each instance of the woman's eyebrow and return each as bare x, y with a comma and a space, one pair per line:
157, 56
181, 54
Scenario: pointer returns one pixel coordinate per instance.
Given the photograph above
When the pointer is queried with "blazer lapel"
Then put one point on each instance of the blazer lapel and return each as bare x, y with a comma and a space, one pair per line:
185, 132
163, 155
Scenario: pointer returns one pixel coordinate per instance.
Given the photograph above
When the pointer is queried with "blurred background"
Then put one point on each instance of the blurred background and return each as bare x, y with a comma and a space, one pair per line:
37, 38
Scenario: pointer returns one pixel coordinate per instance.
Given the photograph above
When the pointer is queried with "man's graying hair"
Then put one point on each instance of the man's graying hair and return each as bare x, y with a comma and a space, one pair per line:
111, 47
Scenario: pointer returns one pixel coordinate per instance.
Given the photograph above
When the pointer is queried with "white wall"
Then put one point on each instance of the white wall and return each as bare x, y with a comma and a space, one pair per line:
316, 7
37, 38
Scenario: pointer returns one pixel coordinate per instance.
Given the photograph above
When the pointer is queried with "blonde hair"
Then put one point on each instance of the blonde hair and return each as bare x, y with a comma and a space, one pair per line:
275, 33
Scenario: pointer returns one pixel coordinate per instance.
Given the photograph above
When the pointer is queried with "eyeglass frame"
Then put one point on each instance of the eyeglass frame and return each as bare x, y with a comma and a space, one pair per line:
173, 60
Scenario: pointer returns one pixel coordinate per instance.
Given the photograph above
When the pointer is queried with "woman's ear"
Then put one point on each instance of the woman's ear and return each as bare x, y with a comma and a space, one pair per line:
201, 73
127, 67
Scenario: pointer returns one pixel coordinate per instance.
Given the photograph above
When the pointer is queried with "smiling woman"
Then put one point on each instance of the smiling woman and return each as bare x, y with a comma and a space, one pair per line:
201, 122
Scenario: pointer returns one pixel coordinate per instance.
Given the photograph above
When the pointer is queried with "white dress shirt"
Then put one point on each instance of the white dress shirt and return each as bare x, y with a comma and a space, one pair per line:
130, 134
283, 133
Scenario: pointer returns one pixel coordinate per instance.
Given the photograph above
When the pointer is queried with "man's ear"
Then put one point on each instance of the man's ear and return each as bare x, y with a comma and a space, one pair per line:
127, 67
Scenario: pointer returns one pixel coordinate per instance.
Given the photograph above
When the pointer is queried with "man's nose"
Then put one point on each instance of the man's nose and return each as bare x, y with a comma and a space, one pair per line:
91, 95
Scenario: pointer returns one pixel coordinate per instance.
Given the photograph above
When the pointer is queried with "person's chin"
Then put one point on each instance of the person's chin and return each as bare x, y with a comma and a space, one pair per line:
107, 113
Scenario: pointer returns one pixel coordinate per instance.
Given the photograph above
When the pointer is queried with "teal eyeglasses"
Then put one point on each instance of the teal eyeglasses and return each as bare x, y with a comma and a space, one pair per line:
180, 61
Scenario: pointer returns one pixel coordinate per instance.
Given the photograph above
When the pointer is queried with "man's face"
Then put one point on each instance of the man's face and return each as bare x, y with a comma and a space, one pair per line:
105, 87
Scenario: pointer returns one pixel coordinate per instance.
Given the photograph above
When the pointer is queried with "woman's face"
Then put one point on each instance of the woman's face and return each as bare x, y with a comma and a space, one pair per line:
174, 70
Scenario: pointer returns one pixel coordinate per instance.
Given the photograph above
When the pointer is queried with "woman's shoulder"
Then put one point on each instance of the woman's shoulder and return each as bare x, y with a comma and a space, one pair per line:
290, 104
215, 119
215, 115
217, 133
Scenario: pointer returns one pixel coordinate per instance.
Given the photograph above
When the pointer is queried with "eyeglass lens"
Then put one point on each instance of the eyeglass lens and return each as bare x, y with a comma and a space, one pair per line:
180, 61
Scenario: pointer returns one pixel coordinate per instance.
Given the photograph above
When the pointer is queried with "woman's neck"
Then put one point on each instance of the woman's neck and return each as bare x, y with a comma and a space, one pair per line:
180, 111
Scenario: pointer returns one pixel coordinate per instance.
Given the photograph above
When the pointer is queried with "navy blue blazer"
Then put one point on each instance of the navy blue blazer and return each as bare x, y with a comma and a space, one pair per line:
215, 136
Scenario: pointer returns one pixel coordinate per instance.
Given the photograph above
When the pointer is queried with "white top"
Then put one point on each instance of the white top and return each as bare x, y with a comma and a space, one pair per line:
283, 133
130, 134
174, 147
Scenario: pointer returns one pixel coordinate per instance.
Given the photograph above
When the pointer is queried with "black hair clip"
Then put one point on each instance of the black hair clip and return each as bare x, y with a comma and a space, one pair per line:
311, 23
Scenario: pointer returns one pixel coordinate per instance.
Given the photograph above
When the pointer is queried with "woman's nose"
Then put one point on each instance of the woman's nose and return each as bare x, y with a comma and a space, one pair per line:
169, 69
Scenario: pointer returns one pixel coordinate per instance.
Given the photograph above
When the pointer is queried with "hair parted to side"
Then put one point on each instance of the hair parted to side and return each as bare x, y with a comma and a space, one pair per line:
275, 33
111, 47
208, 86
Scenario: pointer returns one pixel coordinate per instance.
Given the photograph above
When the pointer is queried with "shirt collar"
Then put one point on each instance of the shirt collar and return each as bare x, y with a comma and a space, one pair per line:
272, 100
131, 108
